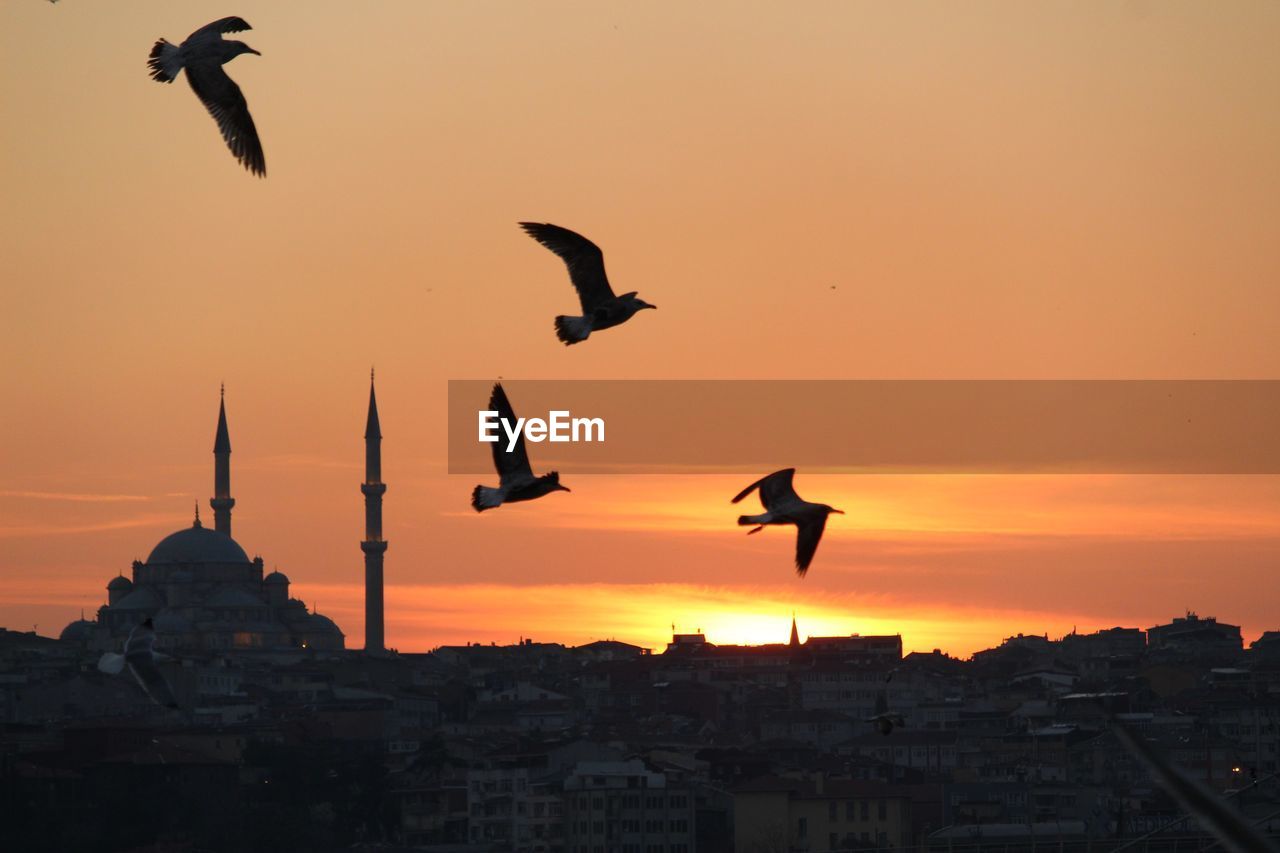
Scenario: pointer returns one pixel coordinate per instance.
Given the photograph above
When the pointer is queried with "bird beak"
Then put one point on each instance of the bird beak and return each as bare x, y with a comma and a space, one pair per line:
564, 488
654, 307
254, 52
839, 511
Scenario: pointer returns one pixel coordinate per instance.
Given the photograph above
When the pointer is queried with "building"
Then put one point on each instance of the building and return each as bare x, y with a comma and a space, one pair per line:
625, 806
204, 592
1192, 636
818, 814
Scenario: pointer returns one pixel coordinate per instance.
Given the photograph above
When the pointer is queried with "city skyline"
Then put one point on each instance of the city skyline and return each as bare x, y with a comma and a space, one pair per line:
741, 621
1004, 191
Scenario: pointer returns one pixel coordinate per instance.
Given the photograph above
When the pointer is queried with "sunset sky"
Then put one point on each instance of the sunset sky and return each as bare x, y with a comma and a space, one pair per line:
824, 190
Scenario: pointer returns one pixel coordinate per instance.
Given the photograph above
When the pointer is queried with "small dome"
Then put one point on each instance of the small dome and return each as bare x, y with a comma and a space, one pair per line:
119, 582
197, 545
276, 577
79, 631
317, 624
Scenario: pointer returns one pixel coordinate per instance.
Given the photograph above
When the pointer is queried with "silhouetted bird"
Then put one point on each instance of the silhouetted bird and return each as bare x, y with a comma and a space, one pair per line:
140, 656
884, 719
1233, 830
783, 506
203, 55
515, 477
600, 308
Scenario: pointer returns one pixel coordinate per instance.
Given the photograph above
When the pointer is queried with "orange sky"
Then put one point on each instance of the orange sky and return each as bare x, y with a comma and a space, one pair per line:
1001, 190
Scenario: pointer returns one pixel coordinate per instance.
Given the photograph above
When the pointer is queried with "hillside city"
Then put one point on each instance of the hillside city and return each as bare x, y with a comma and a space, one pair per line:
608, 747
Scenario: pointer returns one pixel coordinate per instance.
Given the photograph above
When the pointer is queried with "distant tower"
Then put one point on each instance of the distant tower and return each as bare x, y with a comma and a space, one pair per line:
795, 633
374, 546
222, 502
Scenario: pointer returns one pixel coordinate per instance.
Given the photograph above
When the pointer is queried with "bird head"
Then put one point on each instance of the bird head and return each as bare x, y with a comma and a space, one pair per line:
241, 47
554, 479
636, 302
831, 509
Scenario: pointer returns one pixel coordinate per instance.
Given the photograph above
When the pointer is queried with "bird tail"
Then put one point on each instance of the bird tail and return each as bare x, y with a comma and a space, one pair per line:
572, 330
111, 663
485, 497
164, 62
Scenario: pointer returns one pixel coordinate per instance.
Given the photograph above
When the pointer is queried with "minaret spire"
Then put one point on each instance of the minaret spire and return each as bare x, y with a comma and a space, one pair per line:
222, 502
374, 546
795, 633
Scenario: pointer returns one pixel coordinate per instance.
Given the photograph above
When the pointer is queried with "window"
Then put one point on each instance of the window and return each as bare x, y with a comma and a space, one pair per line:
831, 813
882, 810
848, 810
802, 827
866, 810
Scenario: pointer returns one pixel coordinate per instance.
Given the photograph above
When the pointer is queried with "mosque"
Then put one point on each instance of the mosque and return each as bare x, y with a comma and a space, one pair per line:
204, 593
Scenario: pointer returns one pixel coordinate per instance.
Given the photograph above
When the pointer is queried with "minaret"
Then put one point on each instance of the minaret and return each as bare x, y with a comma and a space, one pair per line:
374, 546
222, 502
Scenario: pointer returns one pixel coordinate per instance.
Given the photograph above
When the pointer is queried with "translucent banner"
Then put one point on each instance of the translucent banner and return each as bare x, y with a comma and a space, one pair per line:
872, 426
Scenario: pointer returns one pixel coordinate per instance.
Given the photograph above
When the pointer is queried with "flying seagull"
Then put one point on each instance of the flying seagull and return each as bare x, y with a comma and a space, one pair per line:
515, 477
1232, 830
203, 54
783, 506
140, 656
884, 720
600, 308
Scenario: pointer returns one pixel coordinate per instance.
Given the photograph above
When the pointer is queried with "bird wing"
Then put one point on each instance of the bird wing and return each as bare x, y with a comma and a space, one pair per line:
774, 489
1232, 830
513, 466
808, 534
111, 663
583, 258
224, 101
140, 643
220, 26
152, 681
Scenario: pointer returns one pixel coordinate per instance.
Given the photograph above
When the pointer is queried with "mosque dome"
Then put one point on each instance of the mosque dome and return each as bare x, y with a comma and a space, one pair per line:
79, 631
276, 577
197, 544
120, 582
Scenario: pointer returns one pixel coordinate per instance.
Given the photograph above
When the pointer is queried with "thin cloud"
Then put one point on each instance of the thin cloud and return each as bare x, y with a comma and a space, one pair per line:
77, 497
33, 530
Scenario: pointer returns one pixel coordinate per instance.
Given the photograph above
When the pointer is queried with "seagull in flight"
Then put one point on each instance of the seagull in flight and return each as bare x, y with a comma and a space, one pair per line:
203, 54
783, 506
515, 476
140, 656
600, 308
